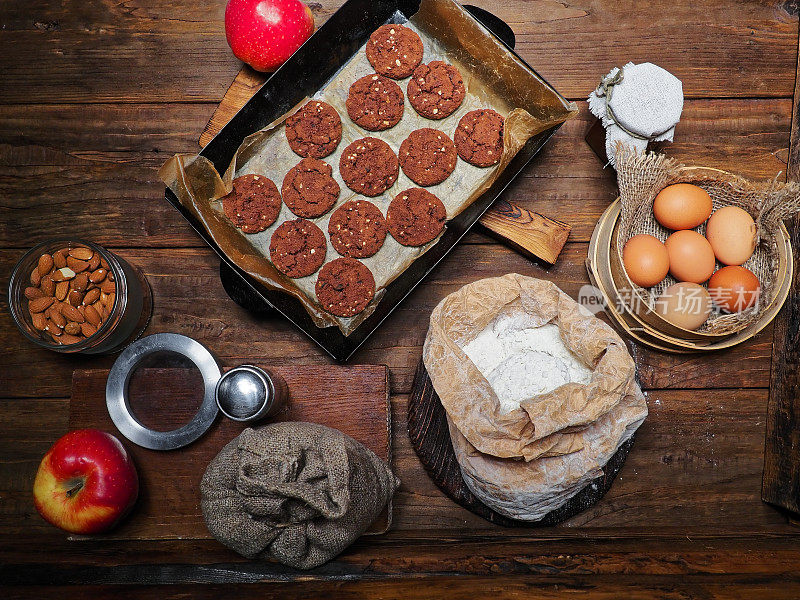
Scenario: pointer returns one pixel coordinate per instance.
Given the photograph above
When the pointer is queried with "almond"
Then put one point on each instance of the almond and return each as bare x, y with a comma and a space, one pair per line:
75, 297
36, 277
80, 282
48, 286
110, 276
91, 296
39, 321
109, 301
98, 275
57, 317
73, 328
45, 264
32, 293
63, 274
40, 304
103, 263
77, 265
88, 329
108, 287
68, 339
72, 313
94, 262
81, 253
62, 287
60, 258
53, 329
98, 308
92, 316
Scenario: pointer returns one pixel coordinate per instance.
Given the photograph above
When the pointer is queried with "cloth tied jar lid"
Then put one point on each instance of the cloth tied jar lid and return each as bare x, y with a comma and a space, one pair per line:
637, 104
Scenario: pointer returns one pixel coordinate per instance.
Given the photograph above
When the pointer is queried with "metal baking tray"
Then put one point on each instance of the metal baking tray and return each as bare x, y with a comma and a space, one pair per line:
302, 75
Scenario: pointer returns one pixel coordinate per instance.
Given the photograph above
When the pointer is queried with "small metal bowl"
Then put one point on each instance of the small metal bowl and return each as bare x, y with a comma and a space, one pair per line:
248, 394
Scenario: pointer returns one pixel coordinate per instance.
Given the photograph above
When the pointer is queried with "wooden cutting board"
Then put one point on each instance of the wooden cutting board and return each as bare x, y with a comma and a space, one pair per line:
353, 399
529, 232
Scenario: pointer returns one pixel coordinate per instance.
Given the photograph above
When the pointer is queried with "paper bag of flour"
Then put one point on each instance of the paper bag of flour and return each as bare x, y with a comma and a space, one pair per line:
547, 424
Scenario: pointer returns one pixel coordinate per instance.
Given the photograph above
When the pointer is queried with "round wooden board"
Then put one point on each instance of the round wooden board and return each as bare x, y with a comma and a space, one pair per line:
430, 438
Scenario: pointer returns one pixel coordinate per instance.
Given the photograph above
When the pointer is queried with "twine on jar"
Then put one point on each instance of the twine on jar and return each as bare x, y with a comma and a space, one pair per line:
606, 89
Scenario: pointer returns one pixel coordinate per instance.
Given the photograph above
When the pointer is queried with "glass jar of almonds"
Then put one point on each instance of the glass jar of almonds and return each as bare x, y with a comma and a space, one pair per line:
74, 296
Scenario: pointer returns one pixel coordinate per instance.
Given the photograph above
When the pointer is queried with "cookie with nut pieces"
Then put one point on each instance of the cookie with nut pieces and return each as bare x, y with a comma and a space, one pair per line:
436, 89
375, 103
357, 229
394, 51
253, 204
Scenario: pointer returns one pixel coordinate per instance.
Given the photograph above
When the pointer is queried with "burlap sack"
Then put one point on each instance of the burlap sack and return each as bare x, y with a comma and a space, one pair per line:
546, 425
642, 176
299, 493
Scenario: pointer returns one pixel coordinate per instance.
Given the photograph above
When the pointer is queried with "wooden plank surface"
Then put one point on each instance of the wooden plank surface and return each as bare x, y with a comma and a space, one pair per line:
164, 399
98, 164
781, 481
95, 95
160, 51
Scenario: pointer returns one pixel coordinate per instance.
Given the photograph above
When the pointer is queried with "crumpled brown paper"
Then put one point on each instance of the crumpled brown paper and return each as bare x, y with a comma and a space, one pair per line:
549, 424
527, 462
494, 77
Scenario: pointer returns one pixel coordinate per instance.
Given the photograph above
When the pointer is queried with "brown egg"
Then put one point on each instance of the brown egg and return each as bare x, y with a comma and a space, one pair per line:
682, 206
690, 256
685, 304
732, 234
645, 259
734, 288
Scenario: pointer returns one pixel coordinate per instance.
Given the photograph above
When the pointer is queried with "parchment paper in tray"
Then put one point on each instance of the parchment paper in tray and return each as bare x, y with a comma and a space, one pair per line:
494, 79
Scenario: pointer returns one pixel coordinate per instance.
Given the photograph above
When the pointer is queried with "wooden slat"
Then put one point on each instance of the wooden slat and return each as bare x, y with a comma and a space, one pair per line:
157, 51
694, 470
66, 169
781, 482
189, 299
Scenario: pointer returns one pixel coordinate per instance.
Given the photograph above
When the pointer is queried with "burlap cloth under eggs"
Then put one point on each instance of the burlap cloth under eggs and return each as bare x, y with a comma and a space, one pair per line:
641, 176
297, 492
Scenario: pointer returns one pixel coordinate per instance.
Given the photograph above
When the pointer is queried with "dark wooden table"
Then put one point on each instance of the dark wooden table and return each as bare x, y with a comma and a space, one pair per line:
96, 94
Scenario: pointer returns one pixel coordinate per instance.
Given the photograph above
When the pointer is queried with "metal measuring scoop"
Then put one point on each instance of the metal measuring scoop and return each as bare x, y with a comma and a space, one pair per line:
245, 393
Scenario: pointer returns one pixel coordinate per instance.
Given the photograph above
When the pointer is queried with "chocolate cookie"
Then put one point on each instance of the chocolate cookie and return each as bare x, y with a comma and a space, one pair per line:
308, 188
375, 103
394, 51
357, 229
297, 248
344, 287
436, 89
253, 204
427, 156
369, 166
415, 217
479, 137
315, 130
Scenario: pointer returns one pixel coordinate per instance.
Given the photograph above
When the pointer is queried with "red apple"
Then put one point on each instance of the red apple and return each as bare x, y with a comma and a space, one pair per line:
264, 33
86, 482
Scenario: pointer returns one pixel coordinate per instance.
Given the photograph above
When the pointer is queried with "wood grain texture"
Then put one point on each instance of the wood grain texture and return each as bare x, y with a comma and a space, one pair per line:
189, 299
781, 481
159, 51
68, 168
96, 95
430, 437
535, 235
169, 500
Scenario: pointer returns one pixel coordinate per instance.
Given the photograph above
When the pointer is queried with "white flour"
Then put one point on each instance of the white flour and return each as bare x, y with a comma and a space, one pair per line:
521, 360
